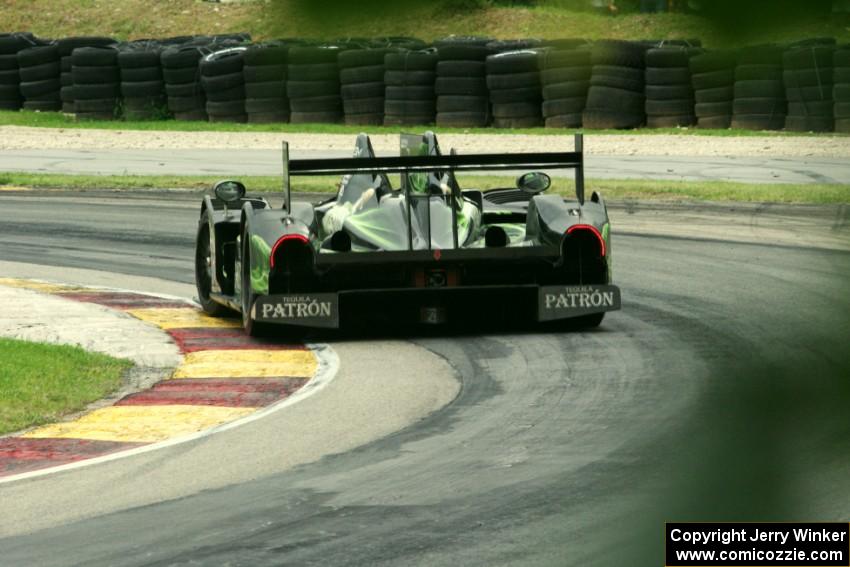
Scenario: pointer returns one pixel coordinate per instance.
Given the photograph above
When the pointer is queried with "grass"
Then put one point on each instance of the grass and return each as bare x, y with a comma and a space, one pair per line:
36, 119
39, 382
134, 19
612, 189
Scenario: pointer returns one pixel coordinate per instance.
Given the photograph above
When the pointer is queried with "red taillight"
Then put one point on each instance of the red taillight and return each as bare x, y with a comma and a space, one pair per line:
287, 238
594, 231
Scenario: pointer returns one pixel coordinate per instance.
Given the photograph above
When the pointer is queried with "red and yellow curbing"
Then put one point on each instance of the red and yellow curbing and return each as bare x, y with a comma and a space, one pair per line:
224, 376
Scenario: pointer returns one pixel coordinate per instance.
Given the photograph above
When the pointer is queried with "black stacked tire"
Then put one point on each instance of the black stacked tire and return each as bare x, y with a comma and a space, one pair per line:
313, 85
409, 98
223, 82
182, 77
616, 97
142, 84
669, 93
759, 102
265, 83
565, 77
397, 42
841, 88
713, 81
513, 81
361, 77
460, 85
503, 45
808, 76
10, 79
40, 78
97, 83
66, 47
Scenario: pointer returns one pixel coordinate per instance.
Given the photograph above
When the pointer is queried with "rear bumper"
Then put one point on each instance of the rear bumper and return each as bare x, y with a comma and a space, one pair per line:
520, 302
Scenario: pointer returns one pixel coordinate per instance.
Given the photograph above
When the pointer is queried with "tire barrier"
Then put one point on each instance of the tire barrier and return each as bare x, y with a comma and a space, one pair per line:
616, 97
503, 45
759, 102
223, 82
265, 83
713, 81
66, 47
808, 78
409, 93
841, 88
142, 84
462, 82
182, 78
361, 77
669, 93
10, 80
513, 81
313, 85
39, 70
97, 83
565, 80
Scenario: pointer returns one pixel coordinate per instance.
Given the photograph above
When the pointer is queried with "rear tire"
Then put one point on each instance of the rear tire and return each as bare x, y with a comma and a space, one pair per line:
575, 323
203, 270
589, 321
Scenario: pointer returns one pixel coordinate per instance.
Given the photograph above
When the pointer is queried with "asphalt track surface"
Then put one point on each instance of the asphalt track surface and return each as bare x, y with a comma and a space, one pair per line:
238, 162
719, 392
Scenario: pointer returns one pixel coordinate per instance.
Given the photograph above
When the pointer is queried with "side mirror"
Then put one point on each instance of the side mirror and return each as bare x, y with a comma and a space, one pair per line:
533, 182
229, 191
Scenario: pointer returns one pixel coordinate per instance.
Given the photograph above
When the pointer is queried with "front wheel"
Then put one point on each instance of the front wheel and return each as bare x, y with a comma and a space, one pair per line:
203, 269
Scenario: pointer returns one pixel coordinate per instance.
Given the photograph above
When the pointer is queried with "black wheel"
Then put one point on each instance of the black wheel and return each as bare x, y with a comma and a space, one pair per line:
463, 86
713, 79
363, 105
302, 89
409, 78
317, 72
203, 269
260, 105
589, 321
181, 75
721, 121
615, 100
356, 75
617, 82
462, 119
264, 73
564, 59
331, 103
315, 117
670, 121
570, 89
669, 107
461, 68
575, 323
362, 90
513, 80
611, 119
564, 121
668, 76
719, 94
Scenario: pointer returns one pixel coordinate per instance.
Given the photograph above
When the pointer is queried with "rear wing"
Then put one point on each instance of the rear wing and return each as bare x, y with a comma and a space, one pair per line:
434, 163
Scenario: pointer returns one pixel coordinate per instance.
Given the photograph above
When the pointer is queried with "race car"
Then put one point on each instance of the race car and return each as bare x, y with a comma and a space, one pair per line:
426, 251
